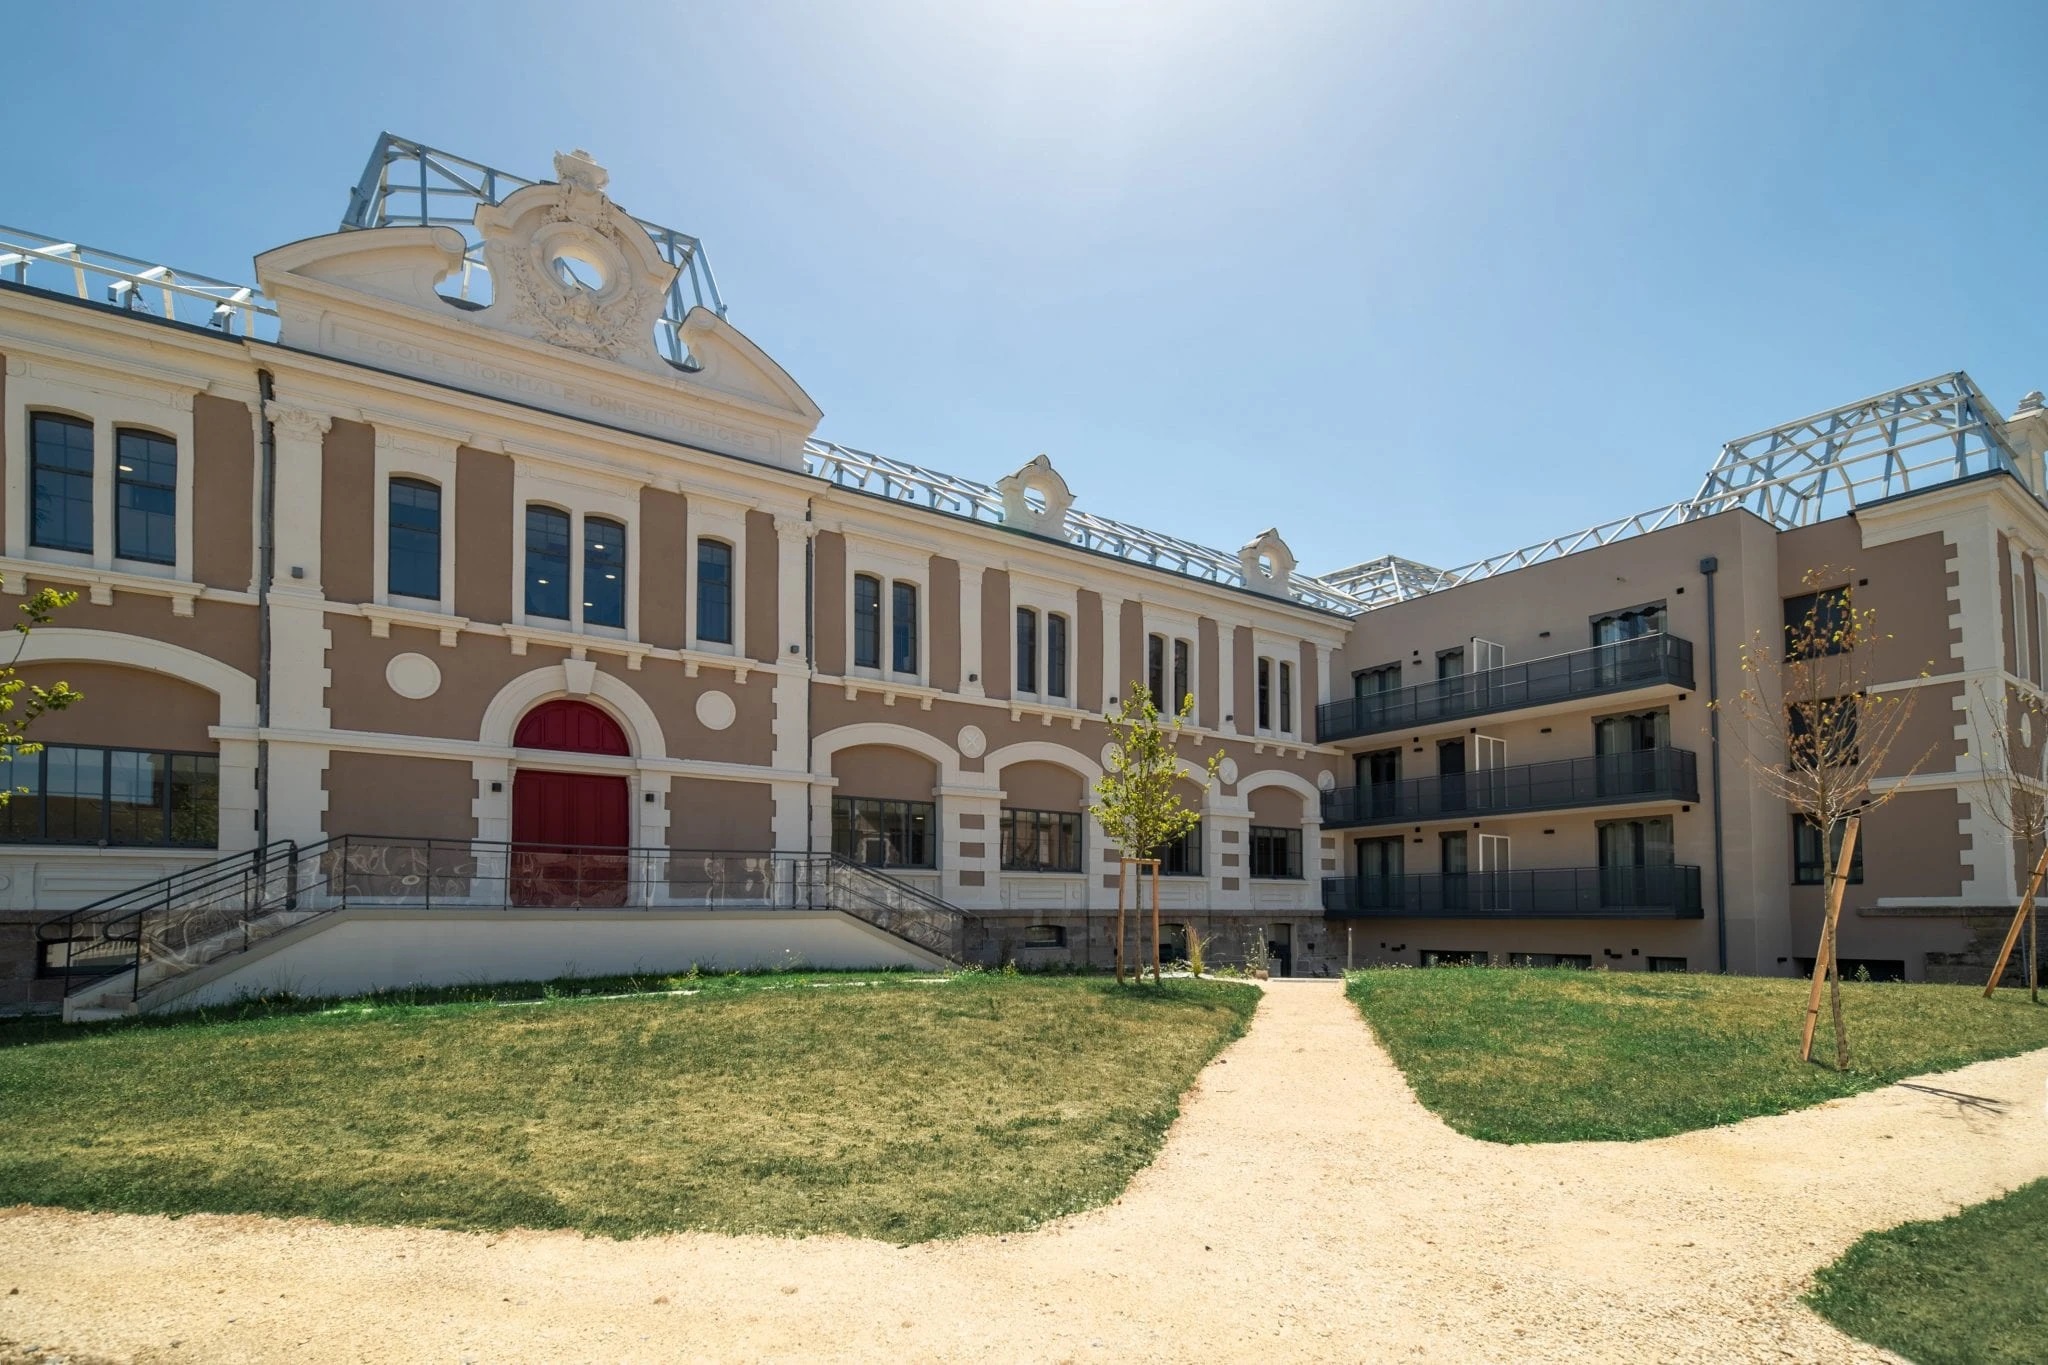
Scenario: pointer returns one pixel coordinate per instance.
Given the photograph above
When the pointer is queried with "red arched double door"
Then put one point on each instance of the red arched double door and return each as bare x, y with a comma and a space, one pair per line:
570, 830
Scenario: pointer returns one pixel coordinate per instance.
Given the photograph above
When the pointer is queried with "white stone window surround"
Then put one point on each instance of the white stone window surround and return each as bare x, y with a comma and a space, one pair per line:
1173, 625
1276, 649
891, 565
711, 518
110, 403
1047, 597
403, 454
582, 497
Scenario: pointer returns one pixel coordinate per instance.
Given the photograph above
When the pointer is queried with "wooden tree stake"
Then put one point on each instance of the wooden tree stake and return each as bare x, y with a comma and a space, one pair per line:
1122, 878
2019, 921
1824, 956
1157, 952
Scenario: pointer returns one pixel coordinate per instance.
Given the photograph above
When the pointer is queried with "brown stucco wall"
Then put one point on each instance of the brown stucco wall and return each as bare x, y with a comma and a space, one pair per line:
1209, 709
884, 771
348, 470
1088, 650
828, 561
1277, 806
668, 569
996, 630
223, 492
485, 576
129, 708
1306, 683
220, 630
1042, 786
1905, 583
1927, 741
705, 813
762, 574
944, 671
422, 798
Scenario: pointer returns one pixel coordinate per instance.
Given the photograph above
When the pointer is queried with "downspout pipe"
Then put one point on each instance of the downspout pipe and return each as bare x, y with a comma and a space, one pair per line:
266, 563
1709, 567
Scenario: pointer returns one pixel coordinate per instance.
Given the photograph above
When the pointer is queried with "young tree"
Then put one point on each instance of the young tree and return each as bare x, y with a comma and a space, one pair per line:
14, 740
1816, 731
2006, 721
1138, 802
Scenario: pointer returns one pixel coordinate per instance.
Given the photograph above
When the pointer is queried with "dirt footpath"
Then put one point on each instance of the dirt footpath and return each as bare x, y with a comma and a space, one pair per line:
1305, 1207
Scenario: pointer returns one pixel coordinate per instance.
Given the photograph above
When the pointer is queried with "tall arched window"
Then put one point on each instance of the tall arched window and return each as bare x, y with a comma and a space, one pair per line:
547, 563
60, 463
604, 572
145, 497
413, 540
714, 592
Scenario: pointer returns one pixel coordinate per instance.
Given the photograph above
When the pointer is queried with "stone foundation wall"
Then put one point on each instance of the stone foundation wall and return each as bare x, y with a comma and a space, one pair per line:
1969, 965
21, 991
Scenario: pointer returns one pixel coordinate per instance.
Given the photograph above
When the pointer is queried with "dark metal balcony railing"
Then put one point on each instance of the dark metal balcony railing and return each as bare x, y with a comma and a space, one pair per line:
1605, 780
1522, 893
1622, 666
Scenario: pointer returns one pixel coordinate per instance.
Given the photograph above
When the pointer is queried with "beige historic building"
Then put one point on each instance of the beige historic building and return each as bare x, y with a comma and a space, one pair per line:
470, 597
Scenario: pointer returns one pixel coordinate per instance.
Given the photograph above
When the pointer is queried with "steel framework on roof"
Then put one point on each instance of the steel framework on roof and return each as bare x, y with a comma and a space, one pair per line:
407, 182
901, 482
1802, 472
39, 262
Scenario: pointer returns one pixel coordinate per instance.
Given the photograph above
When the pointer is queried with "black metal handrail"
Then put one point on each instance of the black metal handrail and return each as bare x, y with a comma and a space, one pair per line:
1621, 666
174, 926
1562, 784
1671, 892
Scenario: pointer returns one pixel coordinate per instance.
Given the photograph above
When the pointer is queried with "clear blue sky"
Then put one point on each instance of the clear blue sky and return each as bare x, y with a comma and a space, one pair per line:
1426, 278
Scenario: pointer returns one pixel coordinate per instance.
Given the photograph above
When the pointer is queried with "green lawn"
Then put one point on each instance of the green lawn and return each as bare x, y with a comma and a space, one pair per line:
881, 1106
1558, 1055
1971, 1288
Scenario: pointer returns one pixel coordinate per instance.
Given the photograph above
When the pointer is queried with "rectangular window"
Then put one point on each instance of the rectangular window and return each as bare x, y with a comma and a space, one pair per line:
1027, 650
1374, 682
412, 560
1183, 679
1183, 857
1265, 693
1286, 698
60, 492
883, 833
1276, 852
714, 592
1041, 841
1450, 663
1454, 957
118, 798
1818, 623
867, 621
1809, 866
547, 563
1056, 656
604, 572
1580, 960
145, 497
1822, 734
1634, 623
1045, 936
903, 627
1664, 964
1155, 669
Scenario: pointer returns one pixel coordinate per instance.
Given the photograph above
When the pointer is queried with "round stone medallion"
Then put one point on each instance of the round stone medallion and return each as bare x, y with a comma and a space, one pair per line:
413, 676
1227, 770
715, 711
973, 743
1326, 781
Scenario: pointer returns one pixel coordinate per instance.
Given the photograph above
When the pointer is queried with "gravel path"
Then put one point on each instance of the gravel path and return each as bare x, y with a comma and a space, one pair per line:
1304, 1207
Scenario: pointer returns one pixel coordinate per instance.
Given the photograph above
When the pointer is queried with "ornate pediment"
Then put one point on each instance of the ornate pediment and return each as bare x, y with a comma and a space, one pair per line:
1266, 563
1036, 499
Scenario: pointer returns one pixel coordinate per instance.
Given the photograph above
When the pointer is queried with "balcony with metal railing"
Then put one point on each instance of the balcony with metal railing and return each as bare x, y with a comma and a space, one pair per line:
1522, 893
1623, 666
1643, 775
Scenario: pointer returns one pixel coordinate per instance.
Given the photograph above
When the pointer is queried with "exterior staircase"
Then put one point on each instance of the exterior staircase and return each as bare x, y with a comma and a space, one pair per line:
126, 950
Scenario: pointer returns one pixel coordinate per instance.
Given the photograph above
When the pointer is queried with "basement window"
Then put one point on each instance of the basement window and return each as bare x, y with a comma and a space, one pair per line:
1045, 936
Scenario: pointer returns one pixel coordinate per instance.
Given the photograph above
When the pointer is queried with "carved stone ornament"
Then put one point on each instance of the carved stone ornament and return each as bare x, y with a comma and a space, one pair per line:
571, 268
1036, 499
972, 742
